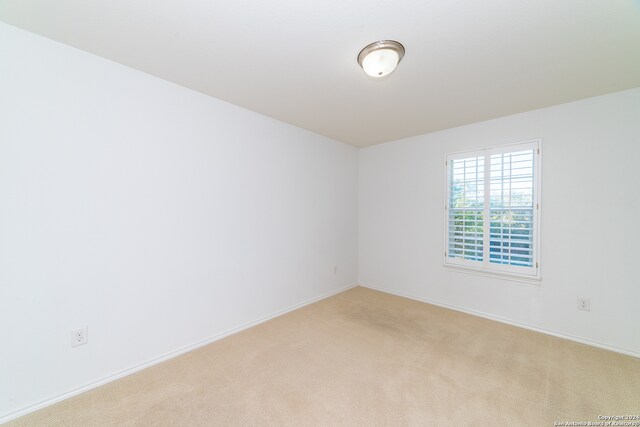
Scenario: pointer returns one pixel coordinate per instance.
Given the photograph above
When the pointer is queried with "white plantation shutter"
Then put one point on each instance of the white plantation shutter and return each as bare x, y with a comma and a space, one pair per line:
466, 209
492, 209
511, 208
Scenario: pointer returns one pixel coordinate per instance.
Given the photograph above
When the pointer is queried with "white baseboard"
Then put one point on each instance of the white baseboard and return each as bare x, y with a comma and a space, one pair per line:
507, 321
50, 401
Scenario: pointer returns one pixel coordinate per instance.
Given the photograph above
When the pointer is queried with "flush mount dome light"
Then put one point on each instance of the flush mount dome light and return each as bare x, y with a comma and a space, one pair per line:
380, 58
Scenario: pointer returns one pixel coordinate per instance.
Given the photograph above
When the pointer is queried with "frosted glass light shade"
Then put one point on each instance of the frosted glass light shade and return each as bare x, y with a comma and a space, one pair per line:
381, 62
381, 58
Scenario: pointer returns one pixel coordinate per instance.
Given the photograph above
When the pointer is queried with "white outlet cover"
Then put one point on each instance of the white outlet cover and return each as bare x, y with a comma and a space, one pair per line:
584, 304
79, 337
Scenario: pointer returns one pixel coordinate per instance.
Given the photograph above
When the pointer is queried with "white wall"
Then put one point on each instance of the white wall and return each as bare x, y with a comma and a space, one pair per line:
155, 215
590, 220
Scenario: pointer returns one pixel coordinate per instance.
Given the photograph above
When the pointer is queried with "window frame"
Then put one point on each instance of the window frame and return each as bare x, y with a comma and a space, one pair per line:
485, 267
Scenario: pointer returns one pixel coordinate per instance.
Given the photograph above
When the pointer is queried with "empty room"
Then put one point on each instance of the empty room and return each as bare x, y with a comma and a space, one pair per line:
337, 213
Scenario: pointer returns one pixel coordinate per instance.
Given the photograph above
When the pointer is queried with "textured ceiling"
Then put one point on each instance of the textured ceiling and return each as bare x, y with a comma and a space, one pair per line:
295, 60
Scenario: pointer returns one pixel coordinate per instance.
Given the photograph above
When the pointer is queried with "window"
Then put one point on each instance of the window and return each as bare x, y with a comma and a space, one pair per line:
492, 209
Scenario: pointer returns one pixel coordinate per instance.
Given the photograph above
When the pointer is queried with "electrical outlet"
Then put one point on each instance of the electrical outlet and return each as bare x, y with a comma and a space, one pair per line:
335, 269
79, 337
584, 304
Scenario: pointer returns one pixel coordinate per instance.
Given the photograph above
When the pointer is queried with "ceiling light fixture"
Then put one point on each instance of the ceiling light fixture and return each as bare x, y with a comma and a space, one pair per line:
380, 58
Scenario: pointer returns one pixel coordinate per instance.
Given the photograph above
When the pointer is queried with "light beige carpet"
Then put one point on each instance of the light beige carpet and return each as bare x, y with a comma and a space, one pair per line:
366, 358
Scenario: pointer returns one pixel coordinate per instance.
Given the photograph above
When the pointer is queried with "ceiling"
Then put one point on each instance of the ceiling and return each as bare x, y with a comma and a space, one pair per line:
295, 60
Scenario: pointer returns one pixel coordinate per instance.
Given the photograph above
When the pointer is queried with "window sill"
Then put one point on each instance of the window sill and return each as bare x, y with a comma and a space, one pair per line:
532, 280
